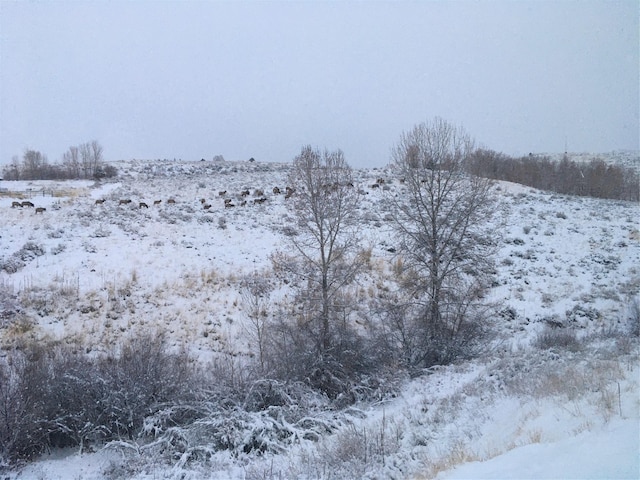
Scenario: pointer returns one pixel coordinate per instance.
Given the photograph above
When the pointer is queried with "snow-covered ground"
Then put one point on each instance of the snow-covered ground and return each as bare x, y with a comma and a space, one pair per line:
96, 272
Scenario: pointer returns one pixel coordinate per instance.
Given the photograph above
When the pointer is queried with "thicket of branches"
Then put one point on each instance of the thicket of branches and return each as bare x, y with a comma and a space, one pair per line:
145, 400
594, 179
54, 396
84, 161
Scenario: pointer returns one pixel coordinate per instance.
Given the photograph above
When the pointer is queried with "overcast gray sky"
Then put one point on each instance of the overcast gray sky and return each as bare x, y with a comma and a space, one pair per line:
151, 79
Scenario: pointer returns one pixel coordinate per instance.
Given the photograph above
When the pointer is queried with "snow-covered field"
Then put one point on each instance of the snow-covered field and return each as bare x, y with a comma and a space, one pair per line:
92, 273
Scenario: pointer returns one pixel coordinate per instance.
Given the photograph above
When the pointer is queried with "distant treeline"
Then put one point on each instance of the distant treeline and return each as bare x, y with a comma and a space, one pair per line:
84, 161
594, 179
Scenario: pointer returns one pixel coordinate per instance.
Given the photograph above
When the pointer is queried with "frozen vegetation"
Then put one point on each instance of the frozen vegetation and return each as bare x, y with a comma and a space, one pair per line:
554, 392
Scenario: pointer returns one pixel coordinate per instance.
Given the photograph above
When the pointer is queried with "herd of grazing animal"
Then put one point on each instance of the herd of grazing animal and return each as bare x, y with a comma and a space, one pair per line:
241, 197
228, 202
28, 204
259, 199
127, 201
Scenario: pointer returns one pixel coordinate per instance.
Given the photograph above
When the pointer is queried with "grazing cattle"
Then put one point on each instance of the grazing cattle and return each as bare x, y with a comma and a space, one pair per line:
375, 185
380, 181
245, 193
99, 201
157, 202
28, 204
206, 206
124, 202
258, 193
276, 191
143, 205
171, 200
228, 205
40, 210
243, 203
260, 200
16, 204
222, 194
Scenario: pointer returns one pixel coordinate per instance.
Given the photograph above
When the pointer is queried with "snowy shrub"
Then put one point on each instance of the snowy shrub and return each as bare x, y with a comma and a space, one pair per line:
29, 251
205, 219
56, 233
55, 396
42, 301
289, 231
8, 303
360, 452
222, 223
582, 316
18, 431
101, 232
557, 338
195, 431
89, 247
633, 317
61, 247
11, 264
172, 216
142, 376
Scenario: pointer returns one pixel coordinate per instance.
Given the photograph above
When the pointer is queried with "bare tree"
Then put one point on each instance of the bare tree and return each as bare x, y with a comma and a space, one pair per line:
34, 164
85, 159
96, 157
13, 170
445, 234
325, 259
71, 162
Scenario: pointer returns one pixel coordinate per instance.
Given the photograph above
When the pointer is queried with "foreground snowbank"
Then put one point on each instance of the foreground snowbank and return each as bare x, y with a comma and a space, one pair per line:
612, 452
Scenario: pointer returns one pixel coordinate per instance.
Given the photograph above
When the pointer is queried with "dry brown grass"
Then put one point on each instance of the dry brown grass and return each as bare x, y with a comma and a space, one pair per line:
69, 192
13, 194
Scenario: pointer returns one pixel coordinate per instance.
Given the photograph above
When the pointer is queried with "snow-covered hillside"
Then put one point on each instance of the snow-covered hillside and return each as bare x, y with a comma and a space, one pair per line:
172, 260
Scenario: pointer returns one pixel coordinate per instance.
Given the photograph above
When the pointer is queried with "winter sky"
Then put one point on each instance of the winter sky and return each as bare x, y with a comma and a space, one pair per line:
190, 80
